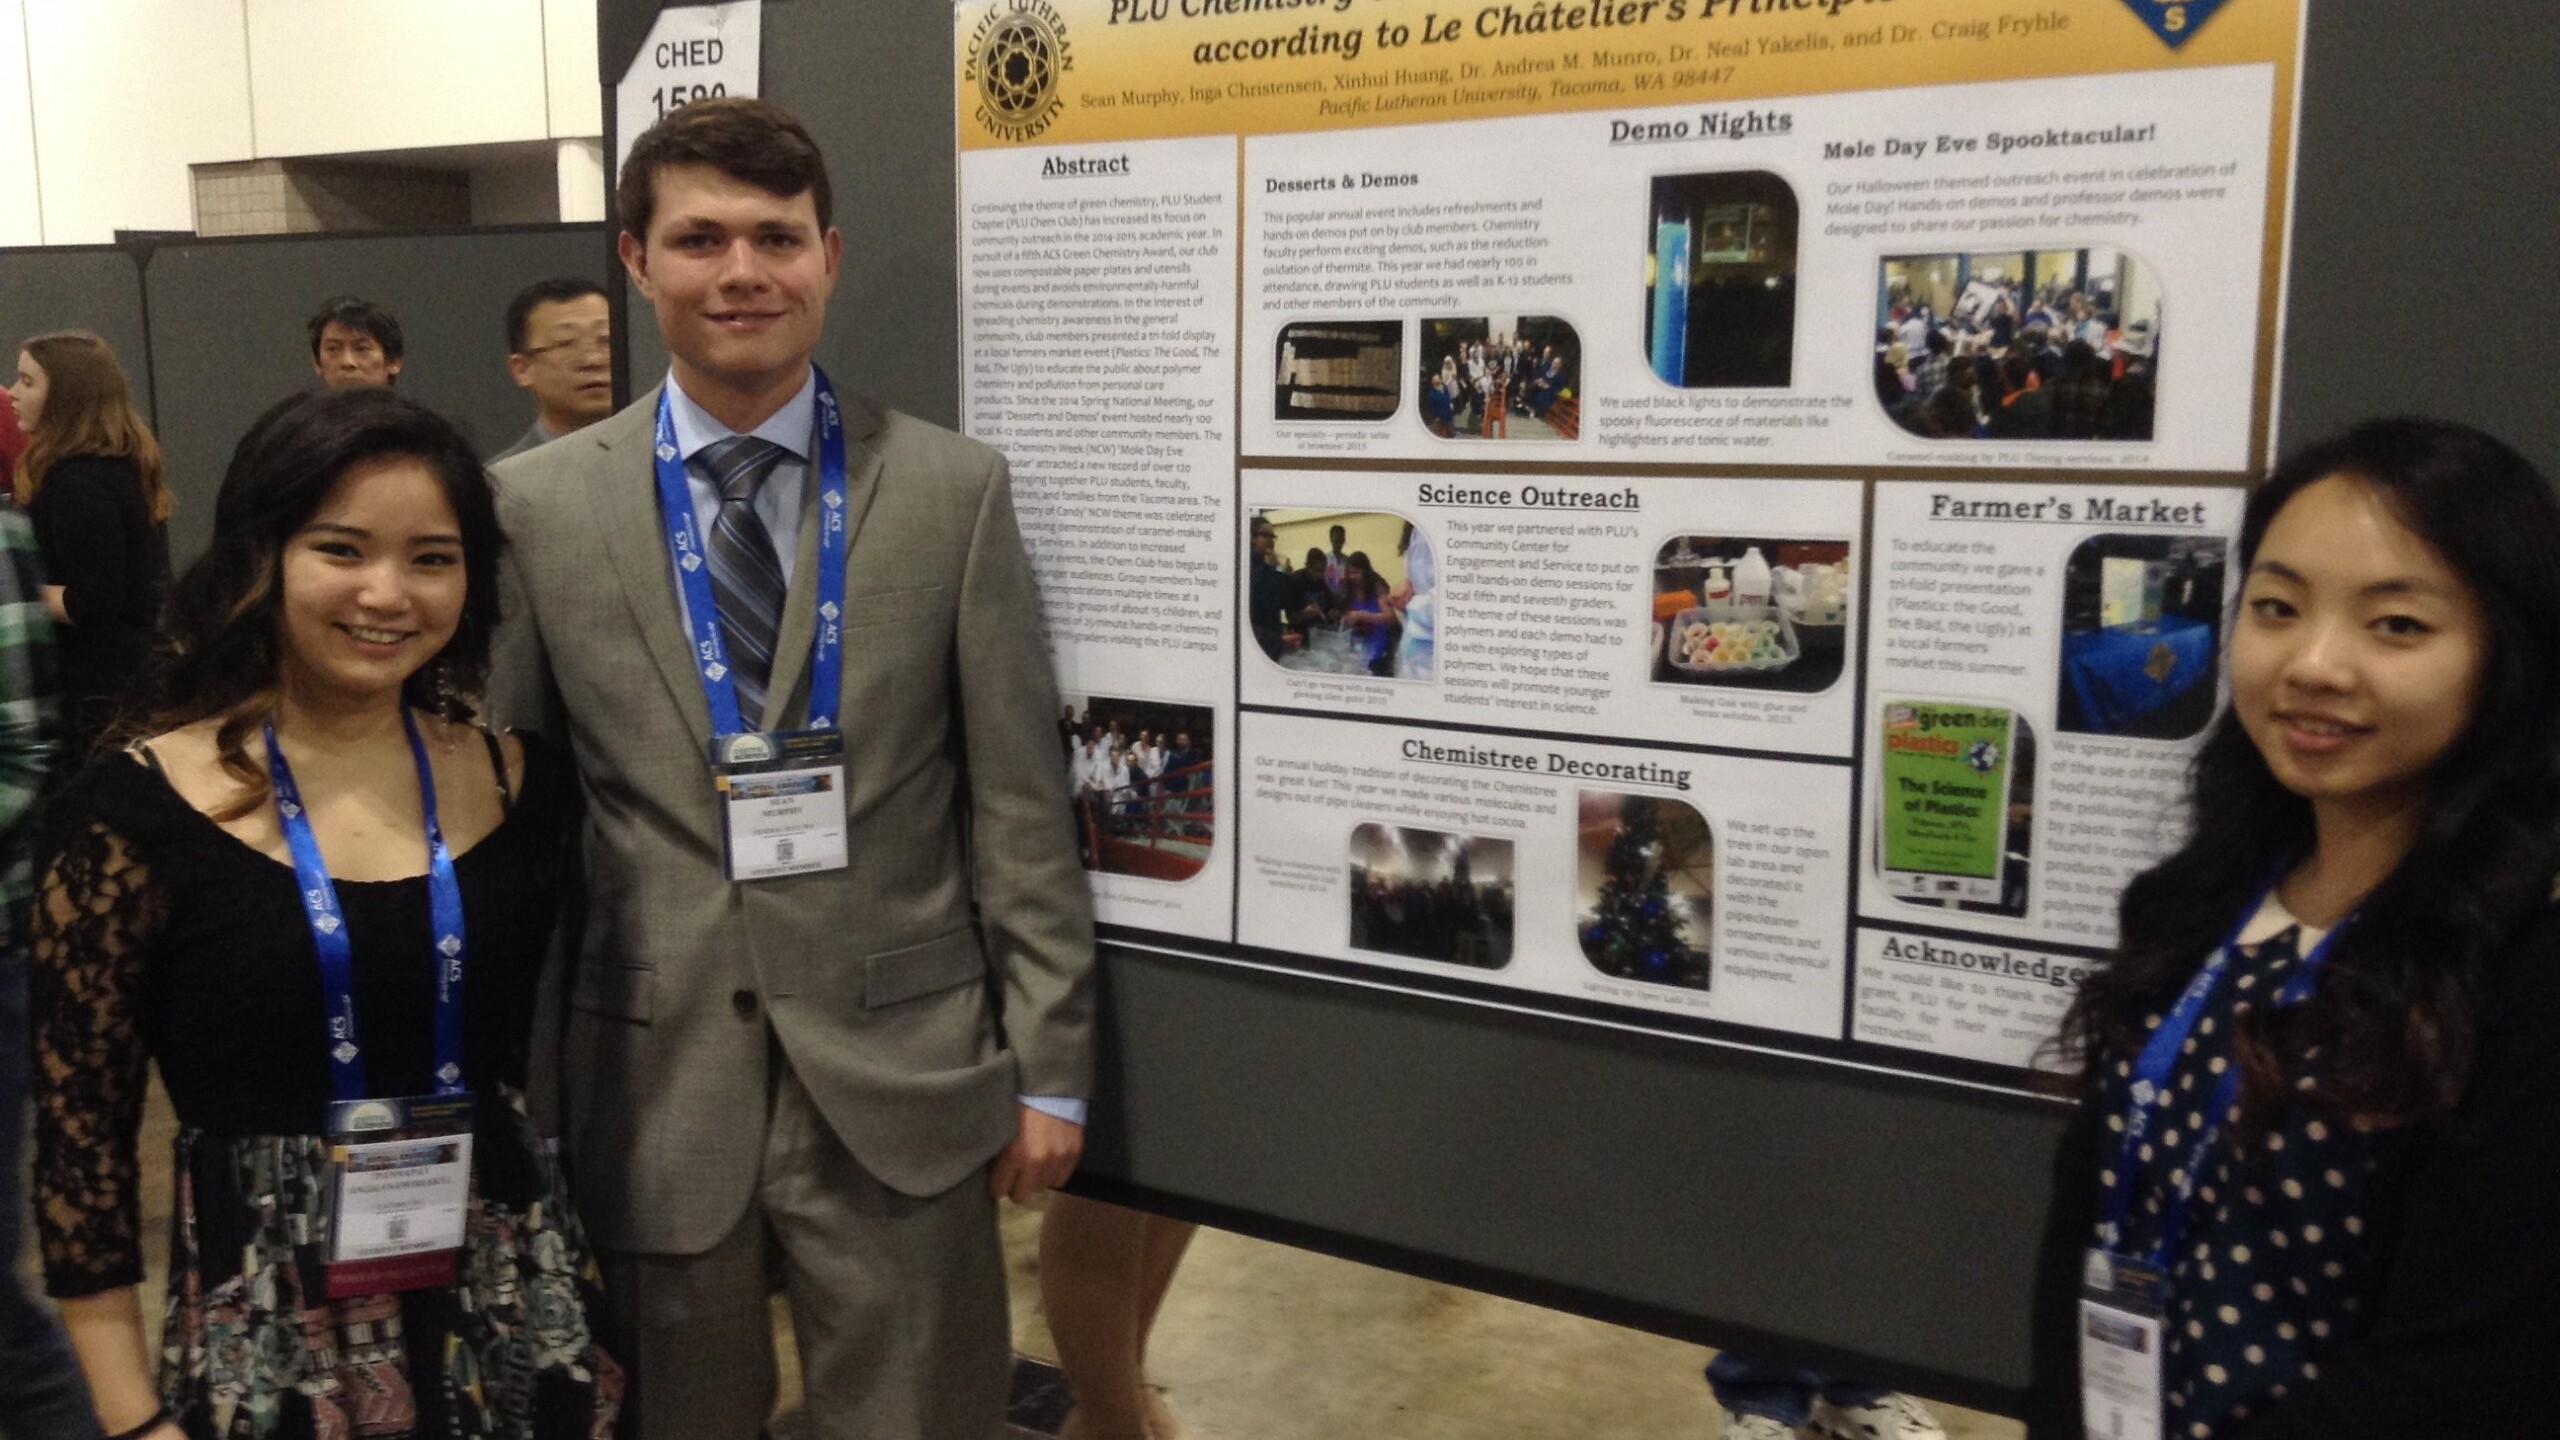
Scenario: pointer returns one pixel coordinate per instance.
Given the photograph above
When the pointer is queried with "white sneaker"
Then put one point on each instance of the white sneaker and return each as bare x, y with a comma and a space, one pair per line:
1892, 1417
1755, 1427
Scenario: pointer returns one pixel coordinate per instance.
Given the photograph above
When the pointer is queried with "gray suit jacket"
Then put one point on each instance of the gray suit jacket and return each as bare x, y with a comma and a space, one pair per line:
532, 439
915, 994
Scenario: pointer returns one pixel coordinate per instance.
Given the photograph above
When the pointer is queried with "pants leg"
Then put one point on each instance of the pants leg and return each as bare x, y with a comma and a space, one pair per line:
694, 1334
1747, 1387
898, 1303
42, 1393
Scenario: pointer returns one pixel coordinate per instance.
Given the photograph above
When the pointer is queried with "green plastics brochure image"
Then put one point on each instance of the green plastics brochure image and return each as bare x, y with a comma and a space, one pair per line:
1945, 799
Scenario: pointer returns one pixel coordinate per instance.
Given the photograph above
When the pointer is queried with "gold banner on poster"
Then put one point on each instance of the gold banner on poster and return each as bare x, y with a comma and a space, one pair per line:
1056, 72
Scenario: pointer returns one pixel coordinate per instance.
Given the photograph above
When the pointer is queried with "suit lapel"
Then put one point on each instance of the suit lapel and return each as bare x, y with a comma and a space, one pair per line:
624, 497
800, 608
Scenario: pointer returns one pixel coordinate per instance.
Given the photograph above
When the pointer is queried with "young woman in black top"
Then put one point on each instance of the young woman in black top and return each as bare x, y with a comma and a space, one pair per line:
239, 898
2322, 1070
90, 481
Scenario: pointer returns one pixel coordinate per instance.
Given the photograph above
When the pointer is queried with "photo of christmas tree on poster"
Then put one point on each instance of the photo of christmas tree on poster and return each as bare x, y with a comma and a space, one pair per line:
1647, 889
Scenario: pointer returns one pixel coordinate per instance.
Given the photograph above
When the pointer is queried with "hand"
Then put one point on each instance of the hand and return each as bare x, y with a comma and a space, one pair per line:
1042, 1155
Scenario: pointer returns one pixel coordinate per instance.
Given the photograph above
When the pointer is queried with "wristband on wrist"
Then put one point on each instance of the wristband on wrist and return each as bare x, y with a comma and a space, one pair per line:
158, 1418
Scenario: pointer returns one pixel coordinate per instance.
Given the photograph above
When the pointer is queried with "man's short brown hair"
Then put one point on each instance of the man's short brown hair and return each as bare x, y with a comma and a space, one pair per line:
745, 139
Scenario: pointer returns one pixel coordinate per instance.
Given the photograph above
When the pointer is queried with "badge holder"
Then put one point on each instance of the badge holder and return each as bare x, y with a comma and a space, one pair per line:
780, 792
400, 1186
399, 1196
2123, 1328
781, 802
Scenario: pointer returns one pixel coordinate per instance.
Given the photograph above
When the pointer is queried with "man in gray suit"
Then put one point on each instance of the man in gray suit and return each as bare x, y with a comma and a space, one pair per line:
771, 1061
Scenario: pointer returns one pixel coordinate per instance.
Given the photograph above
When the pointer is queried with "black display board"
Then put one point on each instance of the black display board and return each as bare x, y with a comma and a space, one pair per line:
229, 337
1871, 1225
76, 287
874, 93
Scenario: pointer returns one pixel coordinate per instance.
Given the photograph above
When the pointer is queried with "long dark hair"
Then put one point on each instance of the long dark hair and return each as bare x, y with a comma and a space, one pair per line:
88, 410
224, 642
2402, 996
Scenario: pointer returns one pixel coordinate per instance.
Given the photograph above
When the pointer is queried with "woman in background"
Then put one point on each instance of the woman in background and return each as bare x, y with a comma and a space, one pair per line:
90, 480
2309, 1190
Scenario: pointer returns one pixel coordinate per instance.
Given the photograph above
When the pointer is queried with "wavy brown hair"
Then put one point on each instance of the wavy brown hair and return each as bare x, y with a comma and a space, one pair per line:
224, 644
2402, 997
740, 136
88, 410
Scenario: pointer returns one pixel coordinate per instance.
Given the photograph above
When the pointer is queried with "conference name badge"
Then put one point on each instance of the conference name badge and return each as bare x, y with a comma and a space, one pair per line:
781, 802
2122, 1305
400, 1187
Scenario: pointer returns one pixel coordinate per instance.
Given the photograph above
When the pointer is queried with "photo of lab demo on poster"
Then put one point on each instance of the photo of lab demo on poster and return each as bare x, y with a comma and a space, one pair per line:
1645, 884
1955, 814
1428, 895
2141, 627
1338, 370
1752, 611
2019, 345
1342, 592
1143, 775
1720, 280
1501, 377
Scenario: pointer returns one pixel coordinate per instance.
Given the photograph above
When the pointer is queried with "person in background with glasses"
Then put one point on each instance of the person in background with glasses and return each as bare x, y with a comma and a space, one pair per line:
560, 347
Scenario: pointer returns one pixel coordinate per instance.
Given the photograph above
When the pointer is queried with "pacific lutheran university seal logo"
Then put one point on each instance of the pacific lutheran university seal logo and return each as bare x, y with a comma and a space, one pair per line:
2175, 21
1016, 56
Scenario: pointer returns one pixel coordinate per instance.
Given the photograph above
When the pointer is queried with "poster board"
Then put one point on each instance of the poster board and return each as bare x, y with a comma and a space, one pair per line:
1614, 342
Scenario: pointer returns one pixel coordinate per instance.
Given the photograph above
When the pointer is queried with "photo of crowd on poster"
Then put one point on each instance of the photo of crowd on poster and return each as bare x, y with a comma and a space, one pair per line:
1342, 592
1756, 611
1501, 377
2019, 345
1338, 370
1720, 280
2141, 628
1143, 775
1646, 883
1429, 895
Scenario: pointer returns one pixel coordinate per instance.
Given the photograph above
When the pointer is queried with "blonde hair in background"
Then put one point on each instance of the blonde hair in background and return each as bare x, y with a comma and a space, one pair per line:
88, 410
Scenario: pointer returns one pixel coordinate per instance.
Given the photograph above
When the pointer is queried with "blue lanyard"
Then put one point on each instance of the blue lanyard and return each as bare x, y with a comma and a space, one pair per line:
329, 927
702, 610
2152, 1072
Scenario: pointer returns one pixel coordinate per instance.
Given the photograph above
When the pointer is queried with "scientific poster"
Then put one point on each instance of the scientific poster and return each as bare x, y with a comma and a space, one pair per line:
1712, 516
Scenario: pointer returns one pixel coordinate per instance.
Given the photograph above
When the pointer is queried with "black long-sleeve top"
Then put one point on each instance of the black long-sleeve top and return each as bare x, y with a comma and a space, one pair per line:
94, 528
2456, 1318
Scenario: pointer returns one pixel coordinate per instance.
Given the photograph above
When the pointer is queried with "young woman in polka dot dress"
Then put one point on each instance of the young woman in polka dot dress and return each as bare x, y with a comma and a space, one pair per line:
2348, 1165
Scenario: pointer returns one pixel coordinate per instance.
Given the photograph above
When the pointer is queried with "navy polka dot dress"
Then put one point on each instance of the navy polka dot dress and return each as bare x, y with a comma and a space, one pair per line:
2279, 1261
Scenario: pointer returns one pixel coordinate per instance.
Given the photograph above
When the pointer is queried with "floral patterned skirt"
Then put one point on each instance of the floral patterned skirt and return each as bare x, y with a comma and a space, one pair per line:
251, 1345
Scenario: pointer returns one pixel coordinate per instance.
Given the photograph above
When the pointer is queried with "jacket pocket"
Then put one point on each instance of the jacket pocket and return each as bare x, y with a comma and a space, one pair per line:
624, 992
885, 607
919, 970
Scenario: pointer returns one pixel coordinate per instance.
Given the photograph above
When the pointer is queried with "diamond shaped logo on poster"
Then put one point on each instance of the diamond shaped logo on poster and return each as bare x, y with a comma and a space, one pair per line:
2175, 21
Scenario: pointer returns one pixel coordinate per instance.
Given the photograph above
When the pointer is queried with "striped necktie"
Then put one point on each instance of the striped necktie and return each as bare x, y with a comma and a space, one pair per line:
746, 574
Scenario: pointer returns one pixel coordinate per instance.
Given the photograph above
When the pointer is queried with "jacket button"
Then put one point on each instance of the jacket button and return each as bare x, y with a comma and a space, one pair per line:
745, 1003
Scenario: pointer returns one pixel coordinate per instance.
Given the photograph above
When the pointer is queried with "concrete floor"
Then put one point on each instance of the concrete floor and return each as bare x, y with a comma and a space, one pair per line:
1264, 1342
